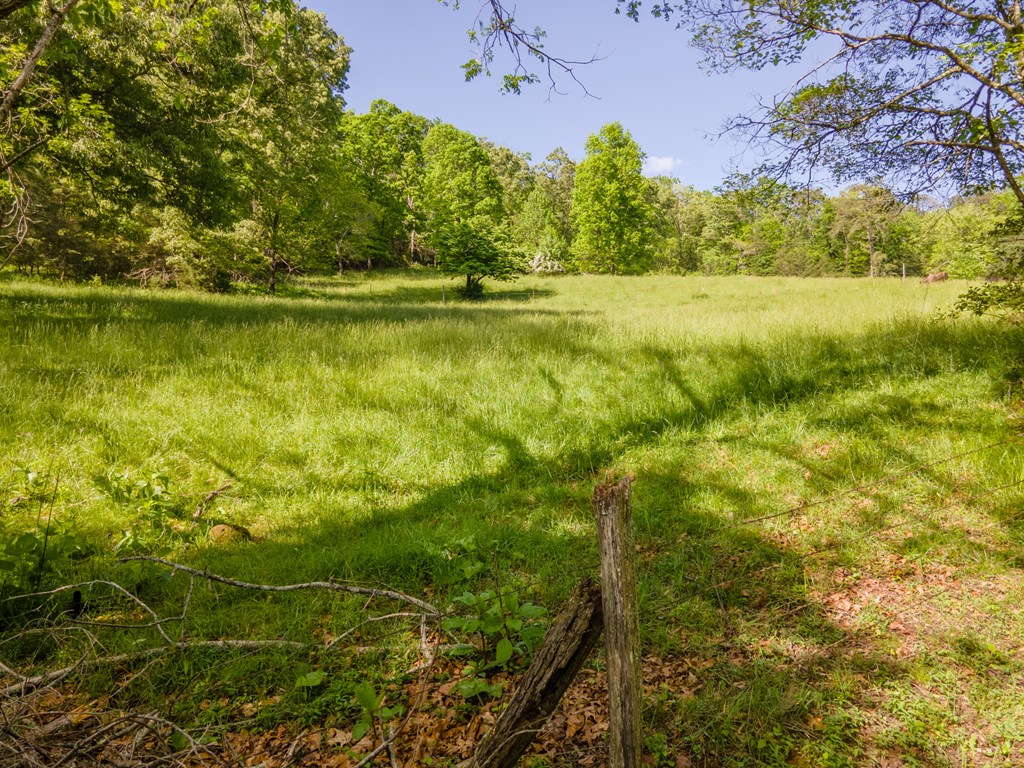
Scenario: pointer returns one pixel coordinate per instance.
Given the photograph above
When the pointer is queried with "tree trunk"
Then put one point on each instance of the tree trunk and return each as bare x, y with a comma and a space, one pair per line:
569, 641
271, 253
871, 252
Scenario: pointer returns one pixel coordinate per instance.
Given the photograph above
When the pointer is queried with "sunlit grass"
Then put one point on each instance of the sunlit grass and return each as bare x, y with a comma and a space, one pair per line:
369, 424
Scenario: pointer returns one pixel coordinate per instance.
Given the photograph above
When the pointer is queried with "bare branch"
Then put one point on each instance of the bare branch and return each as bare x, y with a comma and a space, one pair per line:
331, 586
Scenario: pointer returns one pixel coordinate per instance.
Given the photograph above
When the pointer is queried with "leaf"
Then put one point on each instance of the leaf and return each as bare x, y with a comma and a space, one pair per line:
505, 650
26, 543
310, 679
361, 728
366, 696
179, 741
532, 611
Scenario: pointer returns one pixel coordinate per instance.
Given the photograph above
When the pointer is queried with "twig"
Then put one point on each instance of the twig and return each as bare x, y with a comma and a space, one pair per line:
371, 755
27, 684
294, 746
372, 620
207, 498
157, 622
326, 585
391, 747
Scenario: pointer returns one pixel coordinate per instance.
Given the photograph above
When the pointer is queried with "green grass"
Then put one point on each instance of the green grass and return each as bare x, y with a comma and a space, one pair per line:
367, 427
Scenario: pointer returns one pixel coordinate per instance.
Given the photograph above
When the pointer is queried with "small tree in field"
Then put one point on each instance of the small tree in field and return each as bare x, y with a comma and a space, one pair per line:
472, 248
462, 197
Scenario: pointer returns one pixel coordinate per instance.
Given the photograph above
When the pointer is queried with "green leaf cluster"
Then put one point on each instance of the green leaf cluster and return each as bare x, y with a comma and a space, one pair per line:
612, 208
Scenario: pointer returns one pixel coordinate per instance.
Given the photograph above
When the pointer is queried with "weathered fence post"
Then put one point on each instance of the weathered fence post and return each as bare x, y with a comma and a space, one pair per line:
614, 515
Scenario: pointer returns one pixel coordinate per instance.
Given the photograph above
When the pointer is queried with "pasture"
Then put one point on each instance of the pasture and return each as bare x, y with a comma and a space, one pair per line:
828, 492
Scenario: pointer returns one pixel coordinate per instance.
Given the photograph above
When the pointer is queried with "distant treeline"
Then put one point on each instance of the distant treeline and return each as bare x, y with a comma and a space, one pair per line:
178, 148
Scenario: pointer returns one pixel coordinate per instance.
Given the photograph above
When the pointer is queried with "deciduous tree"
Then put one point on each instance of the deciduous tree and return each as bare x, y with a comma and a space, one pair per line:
463, 199
612, 207
385, 147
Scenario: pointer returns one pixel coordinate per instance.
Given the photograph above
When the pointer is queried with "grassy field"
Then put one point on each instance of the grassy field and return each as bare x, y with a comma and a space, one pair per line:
367, 429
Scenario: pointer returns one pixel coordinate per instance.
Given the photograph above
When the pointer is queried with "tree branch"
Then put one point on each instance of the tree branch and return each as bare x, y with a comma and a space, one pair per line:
325, 585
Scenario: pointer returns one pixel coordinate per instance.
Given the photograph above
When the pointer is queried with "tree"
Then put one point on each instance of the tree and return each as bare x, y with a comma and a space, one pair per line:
385, 147
515, 176
227, 116
963, 238
286, 129
931, 90
865, 217
612, 209
462, 196
473, 249
33, 114
544, 225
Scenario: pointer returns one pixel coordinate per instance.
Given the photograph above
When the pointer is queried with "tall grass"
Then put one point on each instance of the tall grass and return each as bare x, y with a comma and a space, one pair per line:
370, 424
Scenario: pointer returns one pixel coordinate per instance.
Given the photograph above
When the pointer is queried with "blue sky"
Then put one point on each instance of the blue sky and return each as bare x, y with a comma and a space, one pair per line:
410, 51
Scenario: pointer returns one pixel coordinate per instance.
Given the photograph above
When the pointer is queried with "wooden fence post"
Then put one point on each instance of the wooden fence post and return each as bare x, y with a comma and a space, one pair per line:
614, 515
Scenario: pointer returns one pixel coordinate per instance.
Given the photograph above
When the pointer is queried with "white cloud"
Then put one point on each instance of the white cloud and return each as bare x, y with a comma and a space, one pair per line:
661, 166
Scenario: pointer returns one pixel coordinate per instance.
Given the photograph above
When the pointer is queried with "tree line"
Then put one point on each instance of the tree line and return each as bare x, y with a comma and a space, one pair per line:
208, 144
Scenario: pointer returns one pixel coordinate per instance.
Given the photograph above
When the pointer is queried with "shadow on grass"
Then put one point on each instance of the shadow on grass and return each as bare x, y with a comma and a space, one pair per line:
763, 672
439, 293
766, 671
84, 307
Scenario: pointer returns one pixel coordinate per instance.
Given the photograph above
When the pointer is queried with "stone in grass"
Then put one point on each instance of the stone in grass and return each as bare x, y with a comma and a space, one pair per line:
226, 533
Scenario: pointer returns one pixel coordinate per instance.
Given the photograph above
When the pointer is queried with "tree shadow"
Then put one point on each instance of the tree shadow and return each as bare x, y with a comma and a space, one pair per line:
84, 307
760, 666
747, 661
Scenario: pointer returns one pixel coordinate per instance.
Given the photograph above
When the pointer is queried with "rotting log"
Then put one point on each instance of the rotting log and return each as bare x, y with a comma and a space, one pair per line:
614, 514
572, 636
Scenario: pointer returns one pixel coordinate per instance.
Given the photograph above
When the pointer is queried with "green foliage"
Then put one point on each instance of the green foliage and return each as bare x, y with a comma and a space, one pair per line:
459, 184
506, 630
1002, 300
373, 715
46, 550
865, 222
157, 517
864, 111
384, 147
310, 679
472, 248
152, 135
40, 556
612, 212
463, 198
544, 222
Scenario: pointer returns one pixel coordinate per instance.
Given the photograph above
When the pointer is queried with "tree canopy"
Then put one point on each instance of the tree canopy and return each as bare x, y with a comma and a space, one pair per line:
611, 205
209, 144
932, 91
